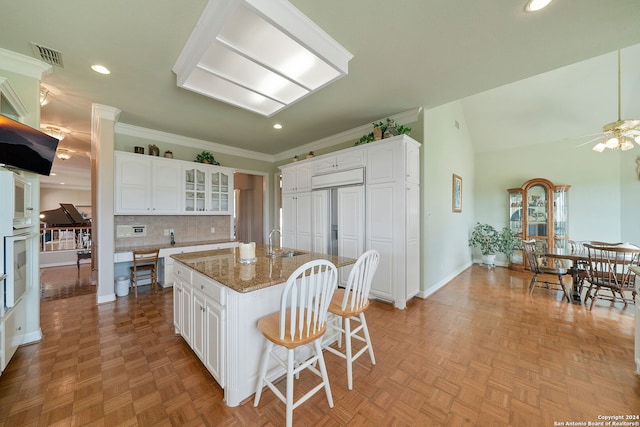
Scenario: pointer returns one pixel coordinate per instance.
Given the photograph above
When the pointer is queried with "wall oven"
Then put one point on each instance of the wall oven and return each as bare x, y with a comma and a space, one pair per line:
18, 257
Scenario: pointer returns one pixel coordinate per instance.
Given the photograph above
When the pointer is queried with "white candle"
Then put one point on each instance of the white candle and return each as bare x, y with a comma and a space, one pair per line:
247, 250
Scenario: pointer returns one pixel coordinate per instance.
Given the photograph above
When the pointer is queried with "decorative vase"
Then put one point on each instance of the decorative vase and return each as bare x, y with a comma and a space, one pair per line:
377, 134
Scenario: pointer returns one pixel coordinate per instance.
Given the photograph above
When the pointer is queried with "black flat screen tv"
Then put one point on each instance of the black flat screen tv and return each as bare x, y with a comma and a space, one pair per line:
26, 148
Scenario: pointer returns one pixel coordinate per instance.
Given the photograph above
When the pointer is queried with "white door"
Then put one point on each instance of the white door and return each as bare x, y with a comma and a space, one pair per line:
351, 220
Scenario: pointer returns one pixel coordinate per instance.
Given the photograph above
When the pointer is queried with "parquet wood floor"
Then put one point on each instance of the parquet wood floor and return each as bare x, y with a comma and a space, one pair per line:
478, 352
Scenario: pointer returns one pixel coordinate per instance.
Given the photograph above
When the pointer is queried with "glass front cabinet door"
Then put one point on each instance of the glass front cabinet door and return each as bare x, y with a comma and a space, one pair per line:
538, 210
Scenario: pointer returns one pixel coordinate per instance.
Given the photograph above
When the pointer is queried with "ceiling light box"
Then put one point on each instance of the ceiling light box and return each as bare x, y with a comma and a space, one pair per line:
260, 55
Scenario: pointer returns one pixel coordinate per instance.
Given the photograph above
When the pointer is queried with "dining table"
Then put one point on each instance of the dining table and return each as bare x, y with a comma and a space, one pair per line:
576, 258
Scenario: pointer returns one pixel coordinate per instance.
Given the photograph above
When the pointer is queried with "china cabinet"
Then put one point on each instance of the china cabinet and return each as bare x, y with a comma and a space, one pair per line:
539, 210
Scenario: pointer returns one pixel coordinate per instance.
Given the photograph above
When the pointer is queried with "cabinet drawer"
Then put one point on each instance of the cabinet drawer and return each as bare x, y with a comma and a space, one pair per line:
181, 272
209, 288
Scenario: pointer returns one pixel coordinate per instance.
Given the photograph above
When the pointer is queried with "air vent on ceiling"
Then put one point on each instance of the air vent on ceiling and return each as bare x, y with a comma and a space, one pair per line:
47, 55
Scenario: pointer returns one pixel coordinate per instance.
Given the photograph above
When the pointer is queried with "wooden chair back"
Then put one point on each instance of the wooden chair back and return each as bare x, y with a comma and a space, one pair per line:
609, 265
356, 293
305, 300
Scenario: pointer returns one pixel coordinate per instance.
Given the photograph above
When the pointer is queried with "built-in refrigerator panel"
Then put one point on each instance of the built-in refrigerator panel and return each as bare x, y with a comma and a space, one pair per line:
350, 225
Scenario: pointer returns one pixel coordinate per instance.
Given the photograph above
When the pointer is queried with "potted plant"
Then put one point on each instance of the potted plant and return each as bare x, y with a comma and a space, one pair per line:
509, 243
487, 239
379, 129
206, 157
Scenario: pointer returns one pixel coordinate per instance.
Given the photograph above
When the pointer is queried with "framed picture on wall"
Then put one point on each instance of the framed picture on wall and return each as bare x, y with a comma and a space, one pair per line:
456, 194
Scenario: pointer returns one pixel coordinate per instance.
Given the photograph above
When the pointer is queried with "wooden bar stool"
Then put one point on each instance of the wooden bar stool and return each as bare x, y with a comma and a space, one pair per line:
349, 304
301, 322
145, 267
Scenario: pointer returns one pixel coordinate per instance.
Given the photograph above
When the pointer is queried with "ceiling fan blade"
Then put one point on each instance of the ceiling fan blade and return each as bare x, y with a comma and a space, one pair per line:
591, 140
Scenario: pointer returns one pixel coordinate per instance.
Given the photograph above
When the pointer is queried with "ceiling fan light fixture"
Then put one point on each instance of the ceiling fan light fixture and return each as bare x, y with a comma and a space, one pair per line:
627, 144
612, 143
624, 131
45, 96
56, 132
536, 5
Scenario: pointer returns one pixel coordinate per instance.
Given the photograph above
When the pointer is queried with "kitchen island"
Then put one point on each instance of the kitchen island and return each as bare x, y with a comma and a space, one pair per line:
217, 302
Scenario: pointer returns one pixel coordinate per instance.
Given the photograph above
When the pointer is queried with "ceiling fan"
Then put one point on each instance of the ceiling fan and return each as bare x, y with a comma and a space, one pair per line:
618, 135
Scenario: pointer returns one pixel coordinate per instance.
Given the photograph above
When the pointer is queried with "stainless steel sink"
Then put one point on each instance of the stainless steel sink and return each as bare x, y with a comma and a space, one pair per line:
286, 254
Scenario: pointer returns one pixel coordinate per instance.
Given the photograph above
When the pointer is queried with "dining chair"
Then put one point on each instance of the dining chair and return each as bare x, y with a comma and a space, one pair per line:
299, 325
537, 269
145, 267
350, 304
608, 270
582, 266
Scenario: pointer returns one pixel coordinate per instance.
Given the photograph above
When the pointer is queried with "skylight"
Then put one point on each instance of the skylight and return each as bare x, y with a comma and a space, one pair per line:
260, 55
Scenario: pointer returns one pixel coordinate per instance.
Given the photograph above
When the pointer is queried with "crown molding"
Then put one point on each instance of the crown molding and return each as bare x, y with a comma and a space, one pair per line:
170, 138
409, 116
25, 65
12, 96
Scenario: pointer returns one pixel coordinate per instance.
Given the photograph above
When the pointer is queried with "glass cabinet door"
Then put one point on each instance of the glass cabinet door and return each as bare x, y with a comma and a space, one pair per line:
219, 192
537, 216
560, 218
194, 190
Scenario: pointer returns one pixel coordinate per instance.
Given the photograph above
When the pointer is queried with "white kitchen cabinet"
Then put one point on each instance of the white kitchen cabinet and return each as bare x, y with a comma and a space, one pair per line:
200, 303
296, 179
150, 185
390, 216
215, 338
199, 328
351, 226
320, 222
296, 221
14, 325
182, 302
207, 189
146, 185
348, 159
393, 218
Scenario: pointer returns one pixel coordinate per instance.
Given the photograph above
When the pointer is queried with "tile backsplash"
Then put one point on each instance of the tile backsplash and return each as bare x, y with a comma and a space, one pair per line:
196, 228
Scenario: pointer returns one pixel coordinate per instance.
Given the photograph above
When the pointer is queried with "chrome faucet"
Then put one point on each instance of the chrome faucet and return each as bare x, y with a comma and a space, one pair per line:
270, 251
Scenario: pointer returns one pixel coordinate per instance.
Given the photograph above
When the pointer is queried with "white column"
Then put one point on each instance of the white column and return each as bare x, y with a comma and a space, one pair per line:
103, 120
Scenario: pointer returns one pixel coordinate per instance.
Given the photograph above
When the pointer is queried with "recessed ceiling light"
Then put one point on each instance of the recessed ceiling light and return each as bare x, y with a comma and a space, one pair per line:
52, 174
277, 126
536, 5
100, 69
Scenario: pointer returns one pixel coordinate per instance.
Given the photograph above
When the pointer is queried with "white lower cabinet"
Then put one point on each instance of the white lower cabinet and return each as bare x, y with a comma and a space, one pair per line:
199, 316
214, 321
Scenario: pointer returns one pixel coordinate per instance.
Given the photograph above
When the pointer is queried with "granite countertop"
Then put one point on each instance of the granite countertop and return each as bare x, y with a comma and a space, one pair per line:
168, 245
222, 266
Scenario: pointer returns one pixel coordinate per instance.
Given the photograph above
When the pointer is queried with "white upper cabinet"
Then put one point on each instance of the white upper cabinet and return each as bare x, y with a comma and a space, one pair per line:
145, 185
341, 161
296, 179
149, 185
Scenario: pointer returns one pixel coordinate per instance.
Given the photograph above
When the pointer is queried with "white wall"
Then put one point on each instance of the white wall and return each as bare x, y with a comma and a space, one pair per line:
50, 198
630, 195
447, 150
